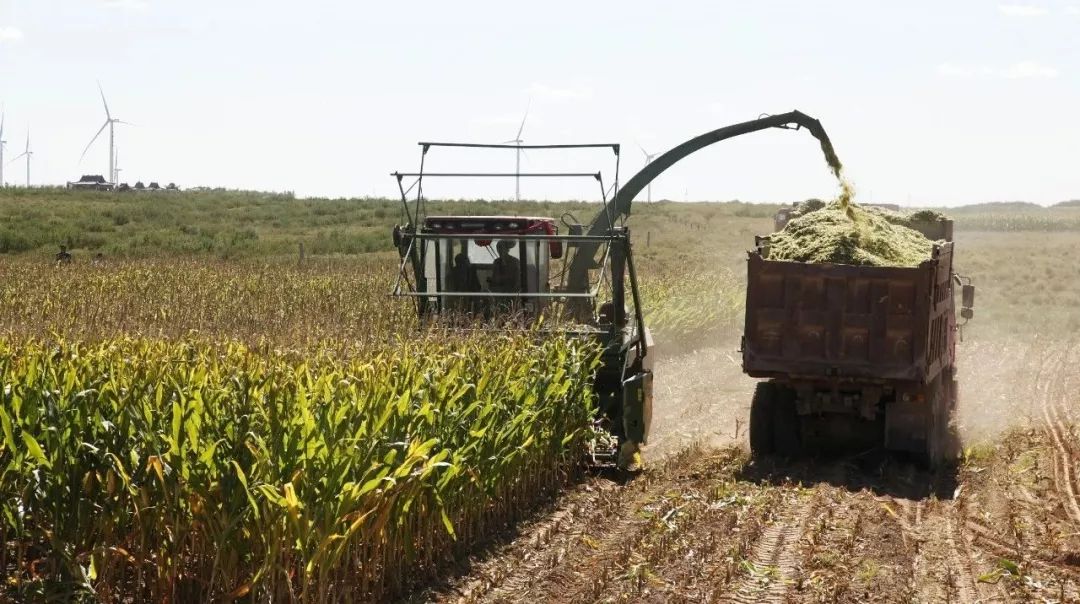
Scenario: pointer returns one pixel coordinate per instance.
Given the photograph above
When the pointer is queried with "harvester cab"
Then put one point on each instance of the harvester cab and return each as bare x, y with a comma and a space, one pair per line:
469, 261
535, 272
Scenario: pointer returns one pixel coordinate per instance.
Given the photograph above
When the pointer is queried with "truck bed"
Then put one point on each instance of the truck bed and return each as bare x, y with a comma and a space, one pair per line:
842, 322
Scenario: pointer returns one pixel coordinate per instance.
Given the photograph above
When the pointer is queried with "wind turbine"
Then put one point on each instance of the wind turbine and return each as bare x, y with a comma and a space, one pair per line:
27, 154
110, 122
517, 141
648, 160
2, 143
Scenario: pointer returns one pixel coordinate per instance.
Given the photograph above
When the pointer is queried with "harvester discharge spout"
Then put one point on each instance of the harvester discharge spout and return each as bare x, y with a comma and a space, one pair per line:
620, 205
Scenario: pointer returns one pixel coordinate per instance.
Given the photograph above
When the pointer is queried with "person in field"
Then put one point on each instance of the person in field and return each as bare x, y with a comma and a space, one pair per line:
506, 270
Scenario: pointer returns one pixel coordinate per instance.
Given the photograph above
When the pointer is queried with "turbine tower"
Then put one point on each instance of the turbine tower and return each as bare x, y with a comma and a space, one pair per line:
517, 141
110, 123
2, 143
648, 160
27, 154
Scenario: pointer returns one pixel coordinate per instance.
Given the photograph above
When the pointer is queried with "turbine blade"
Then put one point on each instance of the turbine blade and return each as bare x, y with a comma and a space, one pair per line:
103, 127
643, 151
126, 123
103, 101
17, 158
515, 141
523, 118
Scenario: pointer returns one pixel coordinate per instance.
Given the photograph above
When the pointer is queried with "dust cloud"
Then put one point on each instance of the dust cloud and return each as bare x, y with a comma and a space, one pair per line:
1001, 380
699, 397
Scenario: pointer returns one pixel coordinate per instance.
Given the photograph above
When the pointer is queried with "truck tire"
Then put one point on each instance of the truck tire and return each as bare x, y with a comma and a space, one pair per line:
954, 448
761, 418
940, 433
787, 438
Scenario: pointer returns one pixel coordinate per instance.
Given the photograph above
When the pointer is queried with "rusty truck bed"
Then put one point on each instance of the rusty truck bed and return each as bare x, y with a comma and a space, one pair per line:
834, 321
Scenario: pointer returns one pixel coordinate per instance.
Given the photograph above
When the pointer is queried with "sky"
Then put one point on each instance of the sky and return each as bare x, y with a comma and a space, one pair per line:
927, 103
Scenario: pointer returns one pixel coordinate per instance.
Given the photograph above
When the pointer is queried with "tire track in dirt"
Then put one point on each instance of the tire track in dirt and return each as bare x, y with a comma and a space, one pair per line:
984, 537
771, 567
960, 565
907, 515
1050, 401
910, 521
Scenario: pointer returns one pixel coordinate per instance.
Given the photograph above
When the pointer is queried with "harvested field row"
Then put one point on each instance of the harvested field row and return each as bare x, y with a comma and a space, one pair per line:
712, 526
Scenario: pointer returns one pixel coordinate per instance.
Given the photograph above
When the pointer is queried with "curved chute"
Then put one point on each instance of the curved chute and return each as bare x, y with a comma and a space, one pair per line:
619, 207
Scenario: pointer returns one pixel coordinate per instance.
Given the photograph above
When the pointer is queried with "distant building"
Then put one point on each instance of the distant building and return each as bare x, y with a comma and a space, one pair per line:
93, 182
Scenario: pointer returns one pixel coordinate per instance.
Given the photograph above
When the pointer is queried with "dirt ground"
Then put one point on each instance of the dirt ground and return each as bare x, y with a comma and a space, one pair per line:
706, 524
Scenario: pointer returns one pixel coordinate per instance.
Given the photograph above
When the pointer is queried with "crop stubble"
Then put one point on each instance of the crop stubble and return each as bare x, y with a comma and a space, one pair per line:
999, 529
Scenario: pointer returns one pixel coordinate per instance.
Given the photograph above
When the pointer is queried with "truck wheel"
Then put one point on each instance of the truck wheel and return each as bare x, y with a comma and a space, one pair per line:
938, 434
761, 417
954, 448
787, 438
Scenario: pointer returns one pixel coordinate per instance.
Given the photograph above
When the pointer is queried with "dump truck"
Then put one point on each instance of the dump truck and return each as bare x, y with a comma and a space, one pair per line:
502, 272
854, 357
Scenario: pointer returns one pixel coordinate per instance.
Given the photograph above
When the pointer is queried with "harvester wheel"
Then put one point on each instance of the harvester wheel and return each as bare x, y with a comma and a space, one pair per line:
761, 417
629, 457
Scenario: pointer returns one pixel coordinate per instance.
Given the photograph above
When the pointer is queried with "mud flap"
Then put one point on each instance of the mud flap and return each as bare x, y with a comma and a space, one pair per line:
637, 407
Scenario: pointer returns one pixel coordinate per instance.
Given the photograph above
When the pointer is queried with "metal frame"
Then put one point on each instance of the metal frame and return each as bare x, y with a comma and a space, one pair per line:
425, 146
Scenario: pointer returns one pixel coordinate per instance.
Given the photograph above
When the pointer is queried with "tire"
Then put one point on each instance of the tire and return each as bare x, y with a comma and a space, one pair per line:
761, 419
787, 437
939, 437
954, 447
628, 458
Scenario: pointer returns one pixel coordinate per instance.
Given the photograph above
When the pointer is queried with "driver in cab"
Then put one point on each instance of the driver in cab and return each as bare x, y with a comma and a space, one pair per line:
505, 270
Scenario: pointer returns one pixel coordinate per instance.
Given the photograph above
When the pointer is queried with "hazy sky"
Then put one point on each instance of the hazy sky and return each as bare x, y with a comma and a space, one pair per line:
926, 102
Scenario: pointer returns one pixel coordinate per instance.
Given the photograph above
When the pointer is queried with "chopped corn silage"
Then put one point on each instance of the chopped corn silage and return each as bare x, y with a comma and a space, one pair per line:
843, 232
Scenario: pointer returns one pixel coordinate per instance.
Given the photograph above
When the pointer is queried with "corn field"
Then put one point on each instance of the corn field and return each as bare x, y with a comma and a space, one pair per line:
346, 302
185, 471
287, 305
194, 430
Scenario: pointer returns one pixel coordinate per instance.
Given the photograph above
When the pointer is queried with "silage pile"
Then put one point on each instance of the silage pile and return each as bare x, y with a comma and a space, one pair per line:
846, 233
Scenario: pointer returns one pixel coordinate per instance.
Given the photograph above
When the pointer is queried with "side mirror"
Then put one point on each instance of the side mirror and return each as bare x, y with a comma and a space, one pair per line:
967, 296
